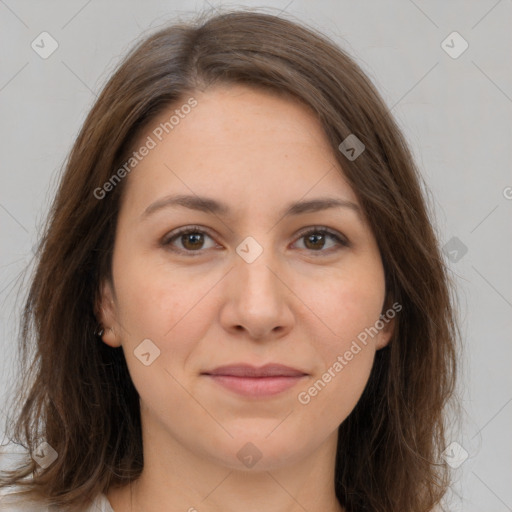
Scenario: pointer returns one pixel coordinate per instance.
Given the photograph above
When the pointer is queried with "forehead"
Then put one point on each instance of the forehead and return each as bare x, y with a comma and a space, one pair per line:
241, 144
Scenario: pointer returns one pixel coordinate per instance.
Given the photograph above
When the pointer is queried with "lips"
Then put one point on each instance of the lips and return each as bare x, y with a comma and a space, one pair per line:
256, 382
245, 370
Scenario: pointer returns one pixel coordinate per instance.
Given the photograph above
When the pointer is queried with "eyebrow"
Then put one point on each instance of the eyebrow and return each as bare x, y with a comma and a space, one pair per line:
209, 205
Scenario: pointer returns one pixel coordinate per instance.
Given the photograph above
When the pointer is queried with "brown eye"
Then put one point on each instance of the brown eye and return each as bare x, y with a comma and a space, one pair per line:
192, 240
187, 240
315, 240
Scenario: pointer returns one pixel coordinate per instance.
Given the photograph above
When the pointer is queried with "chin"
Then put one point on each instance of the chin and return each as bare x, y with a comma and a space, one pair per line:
256, 450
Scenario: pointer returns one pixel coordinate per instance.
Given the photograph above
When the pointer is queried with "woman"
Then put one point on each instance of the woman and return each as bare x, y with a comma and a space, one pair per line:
240, 300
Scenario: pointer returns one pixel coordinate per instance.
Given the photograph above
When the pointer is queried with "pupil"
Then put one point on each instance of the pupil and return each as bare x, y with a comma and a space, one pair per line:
315, 238
196, 239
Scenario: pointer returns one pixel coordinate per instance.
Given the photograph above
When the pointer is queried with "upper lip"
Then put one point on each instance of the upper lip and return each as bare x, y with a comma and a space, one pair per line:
247, 370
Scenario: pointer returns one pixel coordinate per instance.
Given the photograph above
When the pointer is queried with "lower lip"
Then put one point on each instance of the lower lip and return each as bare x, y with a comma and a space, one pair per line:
257, 386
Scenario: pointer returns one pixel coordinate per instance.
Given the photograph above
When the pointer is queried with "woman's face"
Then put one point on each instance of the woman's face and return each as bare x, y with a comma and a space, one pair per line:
249, 285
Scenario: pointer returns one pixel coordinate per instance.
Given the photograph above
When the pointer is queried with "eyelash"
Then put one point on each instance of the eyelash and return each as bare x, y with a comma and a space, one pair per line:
170, 237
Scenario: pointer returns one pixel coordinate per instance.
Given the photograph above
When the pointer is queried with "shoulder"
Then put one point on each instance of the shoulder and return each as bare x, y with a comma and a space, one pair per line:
13, 501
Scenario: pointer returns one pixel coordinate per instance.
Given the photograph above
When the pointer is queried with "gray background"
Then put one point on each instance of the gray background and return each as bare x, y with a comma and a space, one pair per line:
455, 112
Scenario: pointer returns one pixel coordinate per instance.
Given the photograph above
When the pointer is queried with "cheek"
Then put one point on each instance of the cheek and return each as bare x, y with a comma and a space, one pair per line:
329, 398
346, 304
165, 310
163, 305
346, 351
348, 308
155, 298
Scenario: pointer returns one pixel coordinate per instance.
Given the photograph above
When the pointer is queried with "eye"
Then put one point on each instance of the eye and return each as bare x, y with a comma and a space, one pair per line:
315, 239
192, 240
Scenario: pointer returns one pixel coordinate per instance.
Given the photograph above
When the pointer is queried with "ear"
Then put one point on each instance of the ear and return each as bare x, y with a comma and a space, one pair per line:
386, 333
106, 314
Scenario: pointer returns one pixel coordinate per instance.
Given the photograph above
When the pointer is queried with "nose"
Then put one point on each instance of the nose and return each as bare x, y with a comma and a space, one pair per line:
257, 300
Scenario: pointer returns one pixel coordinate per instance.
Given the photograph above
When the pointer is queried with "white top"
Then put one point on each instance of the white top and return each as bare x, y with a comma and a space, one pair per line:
11, 502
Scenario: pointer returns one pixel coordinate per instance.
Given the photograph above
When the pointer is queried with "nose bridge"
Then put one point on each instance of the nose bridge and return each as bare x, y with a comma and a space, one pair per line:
255, 270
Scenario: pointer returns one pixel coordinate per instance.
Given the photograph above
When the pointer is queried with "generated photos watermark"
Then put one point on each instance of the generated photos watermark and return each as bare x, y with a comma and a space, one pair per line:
304, 397
157, 135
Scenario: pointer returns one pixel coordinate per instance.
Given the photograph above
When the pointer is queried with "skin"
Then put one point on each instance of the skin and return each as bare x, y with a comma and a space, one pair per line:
298, 304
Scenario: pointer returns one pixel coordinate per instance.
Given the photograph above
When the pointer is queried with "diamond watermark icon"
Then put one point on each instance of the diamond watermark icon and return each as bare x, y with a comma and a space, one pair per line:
454, 249
351, 147
249, 455
249, 249
146, 352
454, 45
455, 455
45, 455
44, 45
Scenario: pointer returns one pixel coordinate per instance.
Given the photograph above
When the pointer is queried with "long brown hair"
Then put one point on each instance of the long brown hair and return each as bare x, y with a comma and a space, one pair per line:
76, 392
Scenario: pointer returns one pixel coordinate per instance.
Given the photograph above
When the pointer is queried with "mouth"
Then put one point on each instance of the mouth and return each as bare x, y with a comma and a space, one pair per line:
256, 382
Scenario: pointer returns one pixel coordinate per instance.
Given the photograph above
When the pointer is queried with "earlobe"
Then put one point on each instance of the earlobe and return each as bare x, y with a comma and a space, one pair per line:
110, 338
105, 312
386, 333
386, 322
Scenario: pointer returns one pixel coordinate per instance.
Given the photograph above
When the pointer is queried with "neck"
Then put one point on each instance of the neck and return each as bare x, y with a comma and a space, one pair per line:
179, 479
